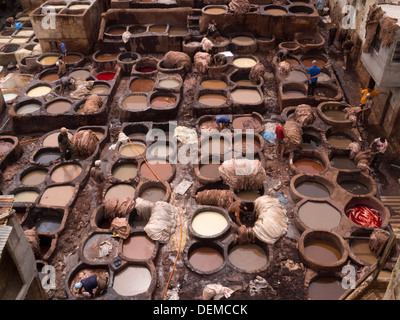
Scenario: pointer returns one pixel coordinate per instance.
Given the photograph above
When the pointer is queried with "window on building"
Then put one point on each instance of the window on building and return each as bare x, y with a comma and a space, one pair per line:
396, 53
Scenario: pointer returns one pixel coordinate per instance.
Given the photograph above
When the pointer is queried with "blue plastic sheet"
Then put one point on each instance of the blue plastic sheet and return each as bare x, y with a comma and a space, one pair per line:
269, 136
280, 197
18, 25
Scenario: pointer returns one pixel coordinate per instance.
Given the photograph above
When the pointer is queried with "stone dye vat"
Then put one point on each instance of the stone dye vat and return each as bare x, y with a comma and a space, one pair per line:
209, 222
120, 191
50, 140
246, 96
248, 258
38, 90
215, 145
58, 106
213, 84
33, 176
133, 149
275, 10
58, 196
46, 155
138, 247
141, 85
26, 196
308, 165
92, 249
318, 215
163, 169
27, 107
342, 162
249, 195
356, 183
244, 123
125, 171
153, 194
245, 62
323, 250
340, 141
135, 102
312, 189
66, 172
132, 280
48, 224
205, 258
326, 288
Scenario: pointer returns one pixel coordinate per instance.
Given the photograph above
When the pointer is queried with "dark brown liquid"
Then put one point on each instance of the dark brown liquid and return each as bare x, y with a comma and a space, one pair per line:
322, 251
308, 62
153, 194
138, 247
342, 162
354, 187
319, 215
206, 259
142, 85
210, 170
73, 58
245, 123
325, 288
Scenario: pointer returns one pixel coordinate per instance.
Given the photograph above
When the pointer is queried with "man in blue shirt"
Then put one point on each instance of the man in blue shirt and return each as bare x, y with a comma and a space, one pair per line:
222, 121
63, 49
313, 74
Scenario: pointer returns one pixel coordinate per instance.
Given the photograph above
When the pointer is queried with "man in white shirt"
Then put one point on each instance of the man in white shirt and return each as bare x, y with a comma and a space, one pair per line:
378, 148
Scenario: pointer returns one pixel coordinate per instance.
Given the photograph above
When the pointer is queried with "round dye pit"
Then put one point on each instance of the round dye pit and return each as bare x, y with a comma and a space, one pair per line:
319, 215
115, 31
325, 288
209, 223
246, 123
80, 74
120, 191
135, 102
65, 173
209, 125
343, 162
107, 56
99, 89
248, 257
138, 247
49, 60
244, 62
276, 11
72, 58
51, 140
160, 150
339, 141
210, 170
106, 76
322, 251
153, 194
142, 85
58, 107
163, 101
169, 83
243, 41
92, 248
362, 251
249, 195
48, 224
312, 189
26, 196
294, 94
215, 146
246, 145
47, 156
125, 171
128, 150
5, 147
38, 91
213, 84
132, 280
364, 215
334, 113
354, 187
50, 76
309, 166
213, 100
215, 10
326, 92
293, 62
246, 96
78, 6
206, 259
57, 196
162, 169
34, 177
296, 76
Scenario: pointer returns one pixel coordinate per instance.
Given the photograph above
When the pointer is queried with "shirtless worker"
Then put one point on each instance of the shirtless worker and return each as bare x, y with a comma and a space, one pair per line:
237, 209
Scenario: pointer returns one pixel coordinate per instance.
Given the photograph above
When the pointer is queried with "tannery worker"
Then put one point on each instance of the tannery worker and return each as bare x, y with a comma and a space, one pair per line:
372, 93
98, 177
90, 283
280, 136
65, 145
222, 121
63, 49
313, 74
219, 59
62, 68
378, 148
236, 209
65, 82
212, 32
282, 54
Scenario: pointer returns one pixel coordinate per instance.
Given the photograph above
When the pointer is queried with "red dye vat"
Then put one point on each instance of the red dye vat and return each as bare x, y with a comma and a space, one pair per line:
364, 216
106, 76
147, 69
